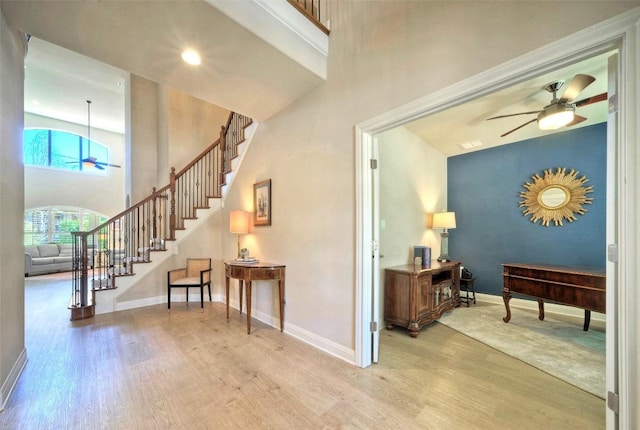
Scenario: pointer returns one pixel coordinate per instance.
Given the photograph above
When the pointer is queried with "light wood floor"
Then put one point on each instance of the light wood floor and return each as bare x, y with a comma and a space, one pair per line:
150, 369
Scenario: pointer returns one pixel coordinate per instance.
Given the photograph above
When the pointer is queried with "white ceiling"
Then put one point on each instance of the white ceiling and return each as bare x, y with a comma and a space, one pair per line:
239, 71
467, 122
58, 83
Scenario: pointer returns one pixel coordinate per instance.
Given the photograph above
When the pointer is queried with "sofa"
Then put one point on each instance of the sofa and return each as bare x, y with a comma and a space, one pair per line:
47, 258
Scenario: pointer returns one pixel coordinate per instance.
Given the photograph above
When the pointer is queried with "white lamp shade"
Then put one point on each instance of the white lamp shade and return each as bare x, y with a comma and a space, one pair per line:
239, 222
444, 220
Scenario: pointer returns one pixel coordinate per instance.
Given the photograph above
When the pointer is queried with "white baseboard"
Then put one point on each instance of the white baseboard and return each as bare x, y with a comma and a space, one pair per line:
12, 379
319, 342
158, 300
549, 308
299, 333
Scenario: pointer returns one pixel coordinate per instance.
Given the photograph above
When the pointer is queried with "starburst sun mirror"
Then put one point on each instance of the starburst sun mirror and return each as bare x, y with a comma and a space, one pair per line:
555, 196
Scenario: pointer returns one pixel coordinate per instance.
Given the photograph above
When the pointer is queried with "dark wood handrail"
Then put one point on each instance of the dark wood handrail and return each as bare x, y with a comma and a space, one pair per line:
200, 156
154, 194
111, 249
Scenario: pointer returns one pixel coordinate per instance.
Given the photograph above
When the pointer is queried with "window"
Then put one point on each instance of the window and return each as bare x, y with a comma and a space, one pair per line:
62, 150
54, 225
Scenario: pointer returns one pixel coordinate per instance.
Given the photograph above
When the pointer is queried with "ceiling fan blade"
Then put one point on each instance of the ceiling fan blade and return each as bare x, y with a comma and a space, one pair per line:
575, 87
577, 119
589, 100
519, 127
97, 166
514, 114
107, 164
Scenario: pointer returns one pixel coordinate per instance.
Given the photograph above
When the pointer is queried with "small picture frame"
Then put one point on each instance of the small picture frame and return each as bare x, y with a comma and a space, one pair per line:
262, 203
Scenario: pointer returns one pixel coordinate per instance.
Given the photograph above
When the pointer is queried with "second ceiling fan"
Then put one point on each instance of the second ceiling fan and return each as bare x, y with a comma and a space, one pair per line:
90, 161
560, 111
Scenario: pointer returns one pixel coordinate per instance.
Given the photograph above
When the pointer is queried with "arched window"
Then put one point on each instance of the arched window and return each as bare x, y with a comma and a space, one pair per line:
55, 224
62, 150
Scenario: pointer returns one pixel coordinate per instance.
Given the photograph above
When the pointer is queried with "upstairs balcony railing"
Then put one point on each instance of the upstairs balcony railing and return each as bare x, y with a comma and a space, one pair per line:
314, 11
112, 249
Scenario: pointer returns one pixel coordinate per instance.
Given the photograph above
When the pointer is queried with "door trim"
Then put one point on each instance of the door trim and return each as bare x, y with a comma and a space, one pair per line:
621, 33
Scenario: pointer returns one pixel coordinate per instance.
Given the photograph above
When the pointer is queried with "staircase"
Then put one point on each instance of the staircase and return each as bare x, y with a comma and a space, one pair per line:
134, 242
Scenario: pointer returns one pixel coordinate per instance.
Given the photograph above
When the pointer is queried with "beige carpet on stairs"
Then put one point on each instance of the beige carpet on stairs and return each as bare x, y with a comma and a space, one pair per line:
559, 348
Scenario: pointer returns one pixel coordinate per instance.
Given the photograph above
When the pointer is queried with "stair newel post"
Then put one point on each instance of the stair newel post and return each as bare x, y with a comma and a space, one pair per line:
84, 271
81, 307
172, 214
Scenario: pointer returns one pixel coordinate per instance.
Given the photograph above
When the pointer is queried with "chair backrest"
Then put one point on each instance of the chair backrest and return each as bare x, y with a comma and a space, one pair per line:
195, 265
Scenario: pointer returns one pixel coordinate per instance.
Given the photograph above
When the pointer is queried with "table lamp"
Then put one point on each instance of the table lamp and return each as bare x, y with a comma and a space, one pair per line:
444, 220
239, 224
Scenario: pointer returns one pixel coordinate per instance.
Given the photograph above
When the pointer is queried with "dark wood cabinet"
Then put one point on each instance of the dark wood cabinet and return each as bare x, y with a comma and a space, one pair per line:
415, 296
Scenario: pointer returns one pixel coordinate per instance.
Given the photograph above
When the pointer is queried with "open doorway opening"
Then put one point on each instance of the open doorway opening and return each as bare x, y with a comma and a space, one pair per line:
596, 41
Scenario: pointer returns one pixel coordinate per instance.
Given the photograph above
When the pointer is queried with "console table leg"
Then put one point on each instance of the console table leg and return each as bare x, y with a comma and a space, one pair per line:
541, 310
248, 286
226, 283
281, 299
587, 319
506, 296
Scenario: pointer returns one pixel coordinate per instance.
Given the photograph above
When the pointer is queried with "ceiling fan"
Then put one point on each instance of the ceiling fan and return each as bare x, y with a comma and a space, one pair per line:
90, 161
560, 111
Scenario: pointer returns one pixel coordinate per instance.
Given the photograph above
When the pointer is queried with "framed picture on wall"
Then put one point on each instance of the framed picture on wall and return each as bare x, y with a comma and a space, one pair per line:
262, 203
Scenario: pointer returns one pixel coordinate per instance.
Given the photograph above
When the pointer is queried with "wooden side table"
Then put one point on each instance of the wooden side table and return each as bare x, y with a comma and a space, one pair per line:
245, 273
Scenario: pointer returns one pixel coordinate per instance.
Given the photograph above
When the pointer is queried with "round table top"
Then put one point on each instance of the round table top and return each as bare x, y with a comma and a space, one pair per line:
255, 263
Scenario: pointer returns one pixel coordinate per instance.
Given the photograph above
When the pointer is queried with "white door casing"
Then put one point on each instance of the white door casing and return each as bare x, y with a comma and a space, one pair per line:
621, 32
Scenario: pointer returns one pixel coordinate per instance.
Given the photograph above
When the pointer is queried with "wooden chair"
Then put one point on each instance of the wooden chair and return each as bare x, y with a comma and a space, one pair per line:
467, 285
197, 274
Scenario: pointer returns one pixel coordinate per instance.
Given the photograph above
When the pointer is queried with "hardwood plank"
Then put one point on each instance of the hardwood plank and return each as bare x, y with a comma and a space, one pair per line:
149, 368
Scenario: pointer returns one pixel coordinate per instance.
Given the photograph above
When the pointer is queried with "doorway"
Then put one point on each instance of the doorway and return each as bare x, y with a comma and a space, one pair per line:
595, 41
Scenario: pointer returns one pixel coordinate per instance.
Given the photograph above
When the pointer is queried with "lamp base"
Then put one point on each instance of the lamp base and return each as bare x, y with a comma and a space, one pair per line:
444, 247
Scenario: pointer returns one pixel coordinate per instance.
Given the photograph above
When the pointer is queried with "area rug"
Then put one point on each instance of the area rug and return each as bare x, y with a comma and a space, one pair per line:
558, 348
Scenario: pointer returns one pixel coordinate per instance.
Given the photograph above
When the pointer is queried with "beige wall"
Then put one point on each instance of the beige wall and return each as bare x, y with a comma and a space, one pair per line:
51, 187
144, 143
382, 55
193, 125
12, 346
413, 183
204, 242
185, 126
168, 129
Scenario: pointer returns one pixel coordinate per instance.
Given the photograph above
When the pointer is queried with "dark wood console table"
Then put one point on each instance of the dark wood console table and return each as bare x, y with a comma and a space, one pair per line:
415, 296
578, 287
248, 272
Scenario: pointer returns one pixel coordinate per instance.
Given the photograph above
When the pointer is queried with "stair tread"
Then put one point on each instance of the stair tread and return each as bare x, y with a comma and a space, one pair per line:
217, 174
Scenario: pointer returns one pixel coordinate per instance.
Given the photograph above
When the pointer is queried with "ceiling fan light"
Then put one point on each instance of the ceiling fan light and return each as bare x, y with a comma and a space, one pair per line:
555, 116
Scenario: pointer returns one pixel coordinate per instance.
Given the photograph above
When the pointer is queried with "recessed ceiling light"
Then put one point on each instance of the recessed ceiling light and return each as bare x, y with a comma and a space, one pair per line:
191, 57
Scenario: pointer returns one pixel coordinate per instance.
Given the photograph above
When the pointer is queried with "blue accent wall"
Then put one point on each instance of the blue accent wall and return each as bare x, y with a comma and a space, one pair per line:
483, 189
